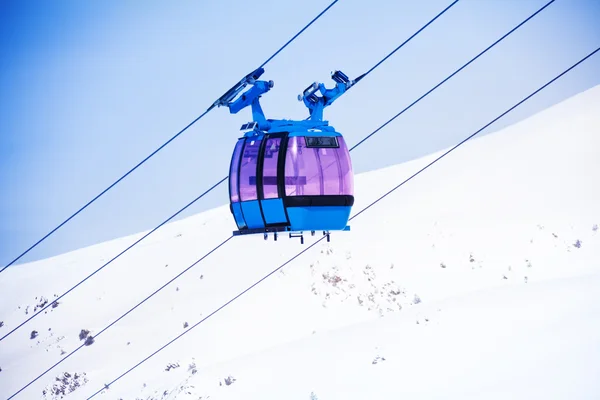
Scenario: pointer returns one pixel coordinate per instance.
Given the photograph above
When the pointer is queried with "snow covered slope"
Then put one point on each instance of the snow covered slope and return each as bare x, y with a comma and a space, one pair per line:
478, 279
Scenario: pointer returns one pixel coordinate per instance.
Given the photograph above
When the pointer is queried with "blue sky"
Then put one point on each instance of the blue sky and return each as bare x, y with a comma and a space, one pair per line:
88, 89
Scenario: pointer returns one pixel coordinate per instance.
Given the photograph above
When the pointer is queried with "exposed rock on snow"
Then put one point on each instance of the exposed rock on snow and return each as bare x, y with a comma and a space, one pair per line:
66, 383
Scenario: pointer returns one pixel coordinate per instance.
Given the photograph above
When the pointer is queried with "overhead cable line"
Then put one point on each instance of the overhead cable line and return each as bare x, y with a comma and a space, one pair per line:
356, 215
298, 34
403, 43
159, 148
196, 199
476, 133
454, 73
35, 314
94, 337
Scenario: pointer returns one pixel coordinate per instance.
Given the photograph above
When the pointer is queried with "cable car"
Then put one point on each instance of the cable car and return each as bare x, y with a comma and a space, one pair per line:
289, 176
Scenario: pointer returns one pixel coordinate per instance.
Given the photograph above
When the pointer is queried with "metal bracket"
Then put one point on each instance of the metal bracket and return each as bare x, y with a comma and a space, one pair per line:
301, 236
229, 95
266, 236
315, 103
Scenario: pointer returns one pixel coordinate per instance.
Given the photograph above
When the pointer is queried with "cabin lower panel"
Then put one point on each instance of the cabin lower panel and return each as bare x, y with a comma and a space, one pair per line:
252, 214
236, 210
273, 211
249, 218
323, 218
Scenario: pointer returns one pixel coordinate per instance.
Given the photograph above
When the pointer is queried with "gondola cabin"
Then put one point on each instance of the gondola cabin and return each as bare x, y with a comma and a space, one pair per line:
291, 181
290, 176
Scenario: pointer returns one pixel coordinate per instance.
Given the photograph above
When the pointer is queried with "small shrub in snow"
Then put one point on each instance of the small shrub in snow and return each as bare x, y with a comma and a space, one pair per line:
229, 380
185, 325
1, 324
442, 265
65, 384
360, 300
595, 228
171, 366
332, 279
89, 340
378, 359
327, 251
192, 368
83, 334
313, 396
34, 334
577, 244
417, 299
42, 304
55, 304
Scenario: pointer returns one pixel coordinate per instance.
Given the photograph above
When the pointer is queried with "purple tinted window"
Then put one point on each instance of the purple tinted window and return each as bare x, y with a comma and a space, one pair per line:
233, 171
248, 170
346, 175
270, 168
317, 171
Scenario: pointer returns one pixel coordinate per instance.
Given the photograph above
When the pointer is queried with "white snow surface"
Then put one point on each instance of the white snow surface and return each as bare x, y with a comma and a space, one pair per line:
478, 279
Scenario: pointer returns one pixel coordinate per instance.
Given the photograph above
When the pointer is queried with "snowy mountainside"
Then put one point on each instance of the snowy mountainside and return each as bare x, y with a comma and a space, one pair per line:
501, 236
